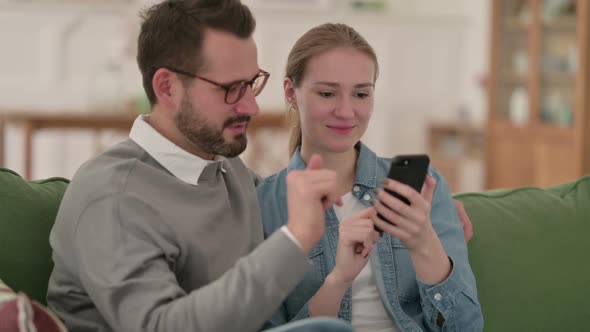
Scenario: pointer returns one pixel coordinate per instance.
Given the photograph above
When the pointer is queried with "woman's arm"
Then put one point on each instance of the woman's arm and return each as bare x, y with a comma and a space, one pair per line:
326, 302
448, 292
356, 238
411, 224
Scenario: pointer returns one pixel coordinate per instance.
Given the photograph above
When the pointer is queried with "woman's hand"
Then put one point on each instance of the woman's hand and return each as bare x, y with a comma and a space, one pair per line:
357, 236
412, 225
409, 223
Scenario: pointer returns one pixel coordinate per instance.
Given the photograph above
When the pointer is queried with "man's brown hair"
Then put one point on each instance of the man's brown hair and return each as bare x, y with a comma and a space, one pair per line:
172, 34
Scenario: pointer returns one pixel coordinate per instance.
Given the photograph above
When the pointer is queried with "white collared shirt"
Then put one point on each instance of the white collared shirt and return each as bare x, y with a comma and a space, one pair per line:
181, 163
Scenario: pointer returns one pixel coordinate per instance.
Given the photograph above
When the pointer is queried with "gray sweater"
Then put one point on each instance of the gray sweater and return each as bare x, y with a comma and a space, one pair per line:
137, 249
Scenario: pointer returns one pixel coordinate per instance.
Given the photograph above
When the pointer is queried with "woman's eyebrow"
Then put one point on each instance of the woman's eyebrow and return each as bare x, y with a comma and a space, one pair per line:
334, 84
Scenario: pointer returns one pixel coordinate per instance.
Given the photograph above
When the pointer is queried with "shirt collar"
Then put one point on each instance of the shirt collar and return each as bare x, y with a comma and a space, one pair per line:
184, 165
366, 165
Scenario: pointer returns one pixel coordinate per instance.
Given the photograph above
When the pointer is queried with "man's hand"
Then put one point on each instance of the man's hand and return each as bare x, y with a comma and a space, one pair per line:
310, 192
465, 221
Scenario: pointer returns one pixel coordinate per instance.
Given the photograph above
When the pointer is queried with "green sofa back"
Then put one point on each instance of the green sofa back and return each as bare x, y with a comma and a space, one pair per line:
27, 213
530, 254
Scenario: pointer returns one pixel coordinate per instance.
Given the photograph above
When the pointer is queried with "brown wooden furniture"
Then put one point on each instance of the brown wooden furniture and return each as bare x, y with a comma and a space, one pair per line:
455, 149
539, 51
32, 122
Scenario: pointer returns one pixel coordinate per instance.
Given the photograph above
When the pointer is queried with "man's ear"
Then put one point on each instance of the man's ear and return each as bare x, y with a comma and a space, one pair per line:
166, 87
289, 89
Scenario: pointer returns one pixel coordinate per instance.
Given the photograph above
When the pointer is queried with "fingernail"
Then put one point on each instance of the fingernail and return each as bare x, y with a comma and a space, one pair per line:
385, 182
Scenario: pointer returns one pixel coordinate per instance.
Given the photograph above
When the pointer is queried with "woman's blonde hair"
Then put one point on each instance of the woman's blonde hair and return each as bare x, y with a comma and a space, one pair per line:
320, 39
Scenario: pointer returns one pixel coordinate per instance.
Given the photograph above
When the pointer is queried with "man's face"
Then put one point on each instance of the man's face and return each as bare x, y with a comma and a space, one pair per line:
204, 118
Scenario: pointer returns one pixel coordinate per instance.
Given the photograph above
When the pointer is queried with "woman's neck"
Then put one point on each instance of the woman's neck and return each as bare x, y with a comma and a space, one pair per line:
344, 163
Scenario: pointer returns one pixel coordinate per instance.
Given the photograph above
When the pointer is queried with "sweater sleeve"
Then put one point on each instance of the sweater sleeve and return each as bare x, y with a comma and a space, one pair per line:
126, 259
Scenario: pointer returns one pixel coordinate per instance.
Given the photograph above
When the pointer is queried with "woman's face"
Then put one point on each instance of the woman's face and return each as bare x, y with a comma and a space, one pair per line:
335, 99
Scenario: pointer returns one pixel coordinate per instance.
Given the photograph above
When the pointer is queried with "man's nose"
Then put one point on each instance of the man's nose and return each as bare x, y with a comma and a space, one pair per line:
247, 105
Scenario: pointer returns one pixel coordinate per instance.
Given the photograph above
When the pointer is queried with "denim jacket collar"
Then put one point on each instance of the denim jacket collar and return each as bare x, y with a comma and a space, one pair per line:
365, 175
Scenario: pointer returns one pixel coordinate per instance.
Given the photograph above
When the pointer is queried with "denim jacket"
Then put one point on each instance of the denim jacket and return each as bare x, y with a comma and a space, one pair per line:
412, 305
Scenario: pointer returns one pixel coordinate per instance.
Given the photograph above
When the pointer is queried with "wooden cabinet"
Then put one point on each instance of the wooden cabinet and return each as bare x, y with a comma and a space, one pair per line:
456, 150
538, 128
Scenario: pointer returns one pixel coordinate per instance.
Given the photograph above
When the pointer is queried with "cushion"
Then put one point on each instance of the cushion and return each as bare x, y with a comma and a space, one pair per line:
27, 213
19, 313
529, 255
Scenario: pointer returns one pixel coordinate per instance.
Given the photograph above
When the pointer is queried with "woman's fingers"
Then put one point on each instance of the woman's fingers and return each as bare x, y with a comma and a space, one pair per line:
392, 229
415, 198
393, 203
367, 250
396, 219
360, 234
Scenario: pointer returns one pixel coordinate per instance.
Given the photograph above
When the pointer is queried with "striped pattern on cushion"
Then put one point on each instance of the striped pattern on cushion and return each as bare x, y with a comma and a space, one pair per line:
19, 314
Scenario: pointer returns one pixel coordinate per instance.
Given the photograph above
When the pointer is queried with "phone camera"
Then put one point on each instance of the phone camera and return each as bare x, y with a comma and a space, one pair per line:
406, 162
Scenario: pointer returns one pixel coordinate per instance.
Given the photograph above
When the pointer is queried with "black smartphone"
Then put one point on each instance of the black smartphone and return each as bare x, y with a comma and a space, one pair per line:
410, 170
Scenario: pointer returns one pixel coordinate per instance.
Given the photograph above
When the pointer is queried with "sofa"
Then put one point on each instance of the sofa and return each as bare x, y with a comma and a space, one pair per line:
530, 252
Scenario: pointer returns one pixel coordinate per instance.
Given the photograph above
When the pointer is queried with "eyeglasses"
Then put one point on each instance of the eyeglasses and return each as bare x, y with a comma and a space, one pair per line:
236, 90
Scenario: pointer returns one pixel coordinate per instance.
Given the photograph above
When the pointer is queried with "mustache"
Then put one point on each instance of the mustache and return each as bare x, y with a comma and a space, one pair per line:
238, 119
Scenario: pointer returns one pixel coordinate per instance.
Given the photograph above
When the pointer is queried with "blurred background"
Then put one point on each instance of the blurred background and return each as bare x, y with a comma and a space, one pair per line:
495, 91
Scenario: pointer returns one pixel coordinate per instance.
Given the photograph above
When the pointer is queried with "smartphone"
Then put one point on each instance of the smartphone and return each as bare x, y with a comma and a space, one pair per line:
410, 170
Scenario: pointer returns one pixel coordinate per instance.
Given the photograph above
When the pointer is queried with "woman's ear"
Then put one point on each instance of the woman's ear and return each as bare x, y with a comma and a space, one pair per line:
289, 88
166, 86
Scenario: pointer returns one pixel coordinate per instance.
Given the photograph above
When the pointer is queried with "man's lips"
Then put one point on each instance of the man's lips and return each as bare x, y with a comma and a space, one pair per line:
238, 128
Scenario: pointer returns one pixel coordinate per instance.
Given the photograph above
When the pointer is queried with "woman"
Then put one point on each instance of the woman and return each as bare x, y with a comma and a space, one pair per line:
414, 277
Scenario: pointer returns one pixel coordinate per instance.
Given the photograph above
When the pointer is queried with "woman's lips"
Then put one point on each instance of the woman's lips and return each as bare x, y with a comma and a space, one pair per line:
341, 130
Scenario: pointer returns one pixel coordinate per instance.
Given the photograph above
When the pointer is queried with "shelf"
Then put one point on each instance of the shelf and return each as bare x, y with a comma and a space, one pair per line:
513, 78
515, 24
554, 133
559, 78
563, 23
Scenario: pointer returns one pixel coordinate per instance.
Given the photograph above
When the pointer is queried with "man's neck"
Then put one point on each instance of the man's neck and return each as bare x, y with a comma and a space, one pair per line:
344, 163
167, 128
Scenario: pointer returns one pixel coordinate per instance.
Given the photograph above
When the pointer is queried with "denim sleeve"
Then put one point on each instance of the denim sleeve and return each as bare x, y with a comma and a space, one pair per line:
456, 297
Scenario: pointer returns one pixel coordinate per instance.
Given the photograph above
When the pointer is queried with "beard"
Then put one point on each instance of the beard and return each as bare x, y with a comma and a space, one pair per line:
204, 135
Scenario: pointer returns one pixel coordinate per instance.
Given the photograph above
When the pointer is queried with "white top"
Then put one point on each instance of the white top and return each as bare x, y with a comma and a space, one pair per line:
368, 313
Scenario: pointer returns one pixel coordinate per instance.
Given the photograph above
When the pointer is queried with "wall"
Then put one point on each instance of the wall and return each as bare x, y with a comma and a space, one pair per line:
431, 54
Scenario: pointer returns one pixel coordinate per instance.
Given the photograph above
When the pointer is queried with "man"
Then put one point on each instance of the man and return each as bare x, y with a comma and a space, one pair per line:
162, 232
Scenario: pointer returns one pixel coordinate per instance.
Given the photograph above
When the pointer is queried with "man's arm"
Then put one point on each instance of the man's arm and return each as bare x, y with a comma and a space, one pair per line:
127, 256
465, 221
